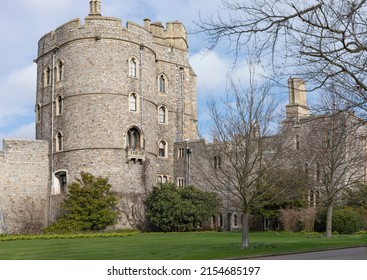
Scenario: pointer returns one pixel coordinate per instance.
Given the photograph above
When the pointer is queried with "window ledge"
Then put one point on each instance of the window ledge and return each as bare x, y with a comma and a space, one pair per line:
135, 155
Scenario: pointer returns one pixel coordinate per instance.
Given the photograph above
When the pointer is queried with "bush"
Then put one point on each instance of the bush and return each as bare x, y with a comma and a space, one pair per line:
179, 209
90, 205
345, 221
298, 219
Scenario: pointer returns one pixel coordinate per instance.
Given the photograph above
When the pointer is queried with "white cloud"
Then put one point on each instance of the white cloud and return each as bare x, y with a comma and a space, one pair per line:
26, 132
17, 95
211, 70
40, 6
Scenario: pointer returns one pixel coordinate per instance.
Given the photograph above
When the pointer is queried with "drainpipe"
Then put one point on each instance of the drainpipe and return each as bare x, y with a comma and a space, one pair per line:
141, 93
188, 152
183, 102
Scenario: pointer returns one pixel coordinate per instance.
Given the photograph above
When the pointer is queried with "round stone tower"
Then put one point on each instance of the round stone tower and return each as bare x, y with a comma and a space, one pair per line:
112, 101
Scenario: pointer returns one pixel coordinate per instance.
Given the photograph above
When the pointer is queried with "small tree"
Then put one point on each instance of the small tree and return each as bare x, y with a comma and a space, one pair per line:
89, 205
249, 148
170, 208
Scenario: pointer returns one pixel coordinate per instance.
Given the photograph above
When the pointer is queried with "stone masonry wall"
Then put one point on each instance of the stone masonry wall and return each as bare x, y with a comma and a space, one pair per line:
24, 179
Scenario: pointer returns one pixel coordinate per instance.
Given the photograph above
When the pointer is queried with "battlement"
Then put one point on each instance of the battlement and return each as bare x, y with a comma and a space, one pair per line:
100, 27
175, 33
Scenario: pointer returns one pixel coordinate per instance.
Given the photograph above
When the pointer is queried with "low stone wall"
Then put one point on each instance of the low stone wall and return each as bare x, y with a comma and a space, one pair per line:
24, 184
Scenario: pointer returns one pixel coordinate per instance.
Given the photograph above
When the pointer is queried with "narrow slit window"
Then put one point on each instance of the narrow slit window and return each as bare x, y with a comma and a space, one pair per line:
133, 102
162, 114
132, 68
162, 83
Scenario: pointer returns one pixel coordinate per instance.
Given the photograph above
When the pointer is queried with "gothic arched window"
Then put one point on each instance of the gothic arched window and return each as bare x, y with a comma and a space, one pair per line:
162, 83
162, 114
59, 105
162, 148
47, 76
133, 102
132, 67
60, 70
133, 139
59, 142
38, 113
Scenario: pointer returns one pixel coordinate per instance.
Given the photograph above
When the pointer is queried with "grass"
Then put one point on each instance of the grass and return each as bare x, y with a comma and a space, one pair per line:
172, 246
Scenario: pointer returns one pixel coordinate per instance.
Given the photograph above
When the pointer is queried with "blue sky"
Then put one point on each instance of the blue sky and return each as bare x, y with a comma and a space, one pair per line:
24, 22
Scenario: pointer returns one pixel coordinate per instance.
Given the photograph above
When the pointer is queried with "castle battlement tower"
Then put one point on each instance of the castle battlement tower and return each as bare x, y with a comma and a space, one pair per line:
113, 100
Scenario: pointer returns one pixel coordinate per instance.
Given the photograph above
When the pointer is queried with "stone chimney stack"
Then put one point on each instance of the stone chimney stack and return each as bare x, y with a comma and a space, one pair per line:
95, 8
297, 107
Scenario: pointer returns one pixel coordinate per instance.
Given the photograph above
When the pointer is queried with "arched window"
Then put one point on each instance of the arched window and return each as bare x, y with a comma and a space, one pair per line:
59, 142
38, 113
60, 70
47, 76
162, 148
133, 102
132, 67
59, 105
133, 139
162, 83
162, 114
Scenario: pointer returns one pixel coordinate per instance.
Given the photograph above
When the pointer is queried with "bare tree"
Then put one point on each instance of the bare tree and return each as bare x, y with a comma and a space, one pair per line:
335, 151
247, 149
321, 41
28, 215
132, 208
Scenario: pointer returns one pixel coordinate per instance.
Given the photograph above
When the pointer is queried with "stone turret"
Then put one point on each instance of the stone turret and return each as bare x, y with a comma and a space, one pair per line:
112, 100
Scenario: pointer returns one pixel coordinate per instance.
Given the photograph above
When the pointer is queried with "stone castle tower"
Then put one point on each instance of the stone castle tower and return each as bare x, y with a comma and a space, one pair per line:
112, 100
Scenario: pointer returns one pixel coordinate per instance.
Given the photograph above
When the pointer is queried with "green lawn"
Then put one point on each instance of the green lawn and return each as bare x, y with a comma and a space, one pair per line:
170, 246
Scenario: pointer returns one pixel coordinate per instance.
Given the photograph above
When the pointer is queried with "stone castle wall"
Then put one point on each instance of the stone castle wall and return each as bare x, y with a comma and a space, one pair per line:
24, 179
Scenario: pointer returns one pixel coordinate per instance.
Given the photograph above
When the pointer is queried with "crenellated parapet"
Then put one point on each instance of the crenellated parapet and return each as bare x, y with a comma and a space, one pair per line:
174, 35
99, 27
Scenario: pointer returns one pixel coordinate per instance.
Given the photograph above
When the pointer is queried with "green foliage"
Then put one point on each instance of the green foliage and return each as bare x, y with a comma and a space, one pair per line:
89, 205
170, 208
345, 221
357, 196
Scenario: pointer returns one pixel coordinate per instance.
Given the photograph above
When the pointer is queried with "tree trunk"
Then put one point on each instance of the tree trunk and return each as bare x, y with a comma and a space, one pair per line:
329, 217
245, 229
